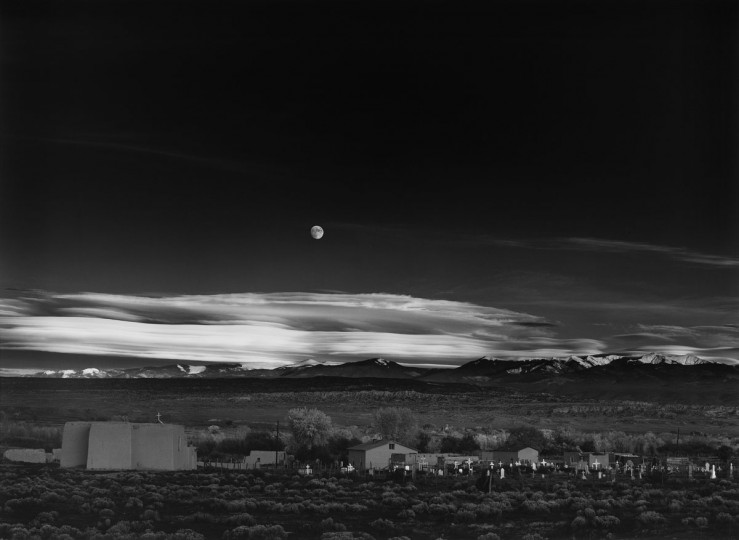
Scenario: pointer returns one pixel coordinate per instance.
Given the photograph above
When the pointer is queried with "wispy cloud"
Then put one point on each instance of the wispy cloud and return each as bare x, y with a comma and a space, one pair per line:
110, 142
717, 342
272, 329
676, 253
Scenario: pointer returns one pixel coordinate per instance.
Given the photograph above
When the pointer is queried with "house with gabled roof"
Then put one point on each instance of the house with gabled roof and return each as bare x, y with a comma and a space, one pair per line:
382, 454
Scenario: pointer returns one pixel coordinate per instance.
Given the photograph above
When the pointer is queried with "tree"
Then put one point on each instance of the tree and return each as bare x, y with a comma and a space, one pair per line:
468, 444
523, 436
422, 442
310, 427
262, 440
588, 445
338, 447
397, 423
725, 453
465, 445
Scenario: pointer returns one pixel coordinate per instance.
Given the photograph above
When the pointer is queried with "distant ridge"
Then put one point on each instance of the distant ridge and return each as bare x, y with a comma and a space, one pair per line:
481, 371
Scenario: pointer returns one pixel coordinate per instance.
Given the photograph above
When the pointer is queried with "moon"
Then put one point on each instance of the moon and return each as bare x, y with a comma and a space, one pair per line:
316, 231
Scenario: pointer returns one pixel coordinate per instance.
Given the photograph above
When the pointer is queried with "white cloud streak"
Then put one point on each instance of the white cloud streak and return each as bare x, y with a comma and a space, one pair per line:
605, 246
268, 330
677, 253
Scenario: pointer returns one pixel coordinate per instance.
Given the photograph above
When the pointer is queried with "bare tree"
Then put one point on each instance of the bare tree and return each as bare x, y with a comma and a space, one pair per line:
397, 423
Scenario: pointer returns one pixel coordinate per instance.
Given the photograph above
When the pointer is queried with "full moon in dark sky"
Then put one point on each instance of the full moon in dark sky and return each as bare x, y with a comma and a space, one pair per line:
316, 232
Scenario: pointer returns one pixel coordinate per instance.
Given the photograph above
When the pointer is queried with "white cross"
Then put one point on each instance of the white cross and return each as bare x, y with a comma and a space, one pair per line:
159, 418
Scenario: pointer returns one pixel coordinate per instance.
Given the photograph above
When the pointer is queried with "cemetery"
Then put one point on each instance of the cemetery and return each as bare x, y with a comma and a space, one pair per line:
123, 479
483, 503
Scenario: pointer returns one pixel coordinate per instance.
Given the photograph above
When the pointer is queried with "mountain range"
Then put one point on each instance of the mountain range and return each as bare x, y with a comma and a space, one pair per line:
481, 371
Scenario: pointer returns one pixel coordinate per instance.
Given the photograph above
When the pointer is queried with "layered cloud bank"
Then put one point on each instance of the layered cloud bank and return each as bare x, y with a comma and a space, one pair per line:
274, 329
269, 330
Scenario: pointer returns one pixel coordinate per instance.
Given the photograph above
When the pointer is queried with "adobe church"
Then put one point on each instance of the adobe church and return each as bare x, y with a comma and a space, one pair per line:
126, 446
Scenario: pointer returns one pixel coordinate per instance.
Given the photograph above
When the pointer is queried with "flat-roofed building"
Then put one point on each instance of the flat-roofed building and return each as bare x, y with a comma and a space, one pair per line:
507, 455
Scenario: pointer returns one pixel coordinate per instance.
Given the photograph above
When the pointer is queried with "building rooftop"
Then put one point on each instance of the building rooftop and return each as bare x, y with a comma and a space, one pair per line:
514, 448
376, 444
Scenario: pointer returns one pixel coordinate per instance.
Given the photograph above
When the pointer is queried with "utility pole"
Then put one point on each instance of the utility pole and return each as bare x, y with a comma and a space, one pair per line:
277, 443
678, 441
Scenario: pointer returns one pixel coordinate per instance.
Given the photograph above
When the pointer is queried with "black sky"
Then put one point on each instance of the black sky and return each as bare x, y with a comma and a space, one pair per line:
449, 149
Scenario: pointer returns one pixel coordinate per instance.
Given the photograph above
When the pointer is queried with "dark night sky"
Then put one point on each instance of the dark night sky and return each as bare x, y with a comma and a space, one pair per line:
573, 162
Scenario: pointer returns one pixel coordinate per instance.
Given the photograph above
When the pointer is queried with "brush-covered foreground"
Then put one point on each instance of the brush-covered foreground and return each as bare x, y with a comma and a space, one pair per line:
51, 503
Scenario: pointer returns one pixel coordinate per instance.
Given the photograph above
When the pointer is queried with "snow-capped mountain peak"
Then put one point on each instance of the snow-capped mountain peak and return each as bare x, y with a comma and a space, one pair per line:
685, 359
307, 362
485, 367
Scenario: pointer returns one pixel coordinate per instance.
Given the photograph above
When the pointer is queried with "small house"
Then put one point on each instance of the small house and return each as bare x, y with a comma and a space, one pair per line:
509, 455
382, 454
262, 458
624, 458
598, 461
592, 460
437, 460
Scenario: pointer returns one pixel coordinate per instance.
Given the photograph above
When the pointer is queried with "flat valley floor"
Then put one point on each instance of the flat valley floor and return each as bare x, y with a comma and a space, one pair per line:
260, 403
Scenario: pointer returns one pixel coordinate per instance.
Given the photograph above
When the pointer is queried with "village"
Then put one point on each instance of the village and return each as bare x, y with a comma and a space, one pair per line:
124, 480
116, 445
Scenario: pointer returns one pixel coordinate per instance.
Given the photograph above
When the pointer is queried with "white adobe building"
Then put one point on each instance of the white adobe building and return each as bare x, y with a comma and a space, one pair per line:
124, 445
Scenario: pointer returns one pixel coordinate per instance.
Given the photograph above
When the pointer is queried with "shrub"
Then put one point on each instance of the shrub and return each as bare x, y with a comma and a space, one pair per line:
651, 518
241, 519
723, 517
537, 507
383, 525
328, 525
187, 534
442, 509
606, 522
464, 516
46, 517
150, 515
30, 436
488, 536
18, 532
256, 532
